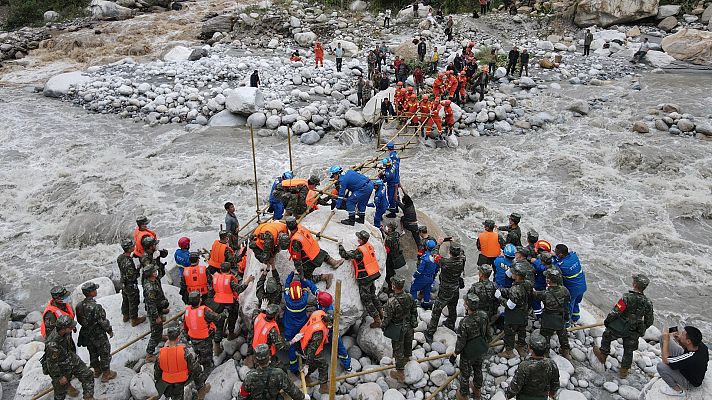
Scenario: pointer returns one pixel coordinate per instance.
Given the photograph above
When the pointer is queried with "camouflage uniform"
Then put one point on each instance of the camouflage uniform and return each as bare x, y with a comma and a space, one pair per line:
175, 391
515, 320
316, 361
556, 304
401, 310
394, 259
147, 261
266, 254
155, 302
529, 271
129, 286
272, 292
305, 266
233, 310
94, 333
629, 319
366, 286
451, 270
61, 359
266, 383
473, 326
514, 235
203, 347
50, 319
294, 199
485, 292
534, 379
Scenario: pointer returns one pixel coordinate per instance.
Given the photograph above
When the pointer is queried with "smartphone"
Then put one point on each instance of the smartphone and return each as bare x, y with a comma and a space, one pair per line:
672, 329
448, 239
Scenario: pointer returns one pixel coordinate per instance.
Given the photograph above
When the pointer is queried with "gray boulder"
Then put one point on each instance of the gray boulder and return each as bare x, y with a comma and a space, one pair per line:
310, 138
51, 16
610, 12
256, 120
58, 85
305, 39
220, 23
668, 10
227, 119
107, 10
668, 23
245, 101
221, 380
5, 313
355, 117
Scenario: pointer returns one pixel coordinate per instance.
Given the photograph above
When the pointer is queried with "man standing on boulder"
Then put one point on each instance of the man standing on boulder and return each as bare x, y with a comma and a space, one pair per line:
512, 59
401, 317
360, 187
339, 53
471, 346
129, 284
574, 277
156, 306
306, 253
587, 40
451, 269
366, 271
95, 333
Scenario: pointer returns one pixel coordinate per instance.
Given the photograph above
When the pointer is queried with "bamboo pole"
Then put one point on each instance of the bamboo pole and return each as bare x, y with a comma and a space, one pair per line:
254, 170
302, 378
323, 227
443, 386
335, 340
289, 144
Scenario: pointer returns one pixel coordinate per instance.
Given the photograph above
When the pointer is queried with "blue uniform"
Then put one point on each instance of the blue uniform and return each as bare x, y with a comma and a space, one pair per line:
424, 277
574, 280
501, 264
360, 187
274, 203
341, 351
539, 284
380, 201
182, 257
391, 177
295, 316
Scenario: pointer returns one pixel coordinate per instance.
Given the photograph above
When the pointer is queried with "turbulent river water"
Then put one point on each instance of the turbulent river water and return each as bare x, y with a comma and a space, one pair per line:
625, 202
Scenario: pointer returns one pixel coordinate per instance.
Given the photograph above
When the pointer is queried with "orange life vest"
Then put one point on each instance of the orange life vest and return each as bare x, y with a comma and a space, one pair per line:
138, 236
368, 263
274, 228
489, 244
309, 329
261, 332
310, 247
58, 312
223, 290
425, 108
198, 327
313, 200
242, 264
315, 316
173, 365
196, 279
294, 182
217, 254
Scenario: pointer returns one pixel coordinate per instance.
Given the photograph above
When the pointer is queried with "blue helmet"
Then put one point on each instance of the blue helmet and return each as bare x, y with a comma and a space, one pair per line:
287, 175
509, 250
386, 161
390, 146
335, 169
378, 182
431, 244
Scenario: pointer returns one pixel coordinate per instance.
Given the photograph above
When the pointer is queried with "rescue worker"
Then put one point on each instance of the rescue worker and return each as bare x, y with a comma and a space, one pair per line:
537, 377
485, 290
366, 271
156, 306
269, 288
220, 252
225, 294
95, 333
199, 323
380, 202
305, 252
393, 155
318, 54
516, 312
449, 117
360, 187
314, 198
574, 277
194, 278
451, 84
61, 362
520, 259
472, 344
502, 265
293, 193
275, 204
176, 365
451, 270
391, 177
296, 299
130, 274
424, 275
489, 244
140, 232
57, 306
556, 311
424, 108
394, 254
398, 97
462, 88
435, 107
542, 249
264, 242
411, 110
265, 382
266, 331
438, 85
182, 254
401, 318
532, 238
147, 260
409, 219
324, 302
628, 320
424, 237
514, 233
315, 333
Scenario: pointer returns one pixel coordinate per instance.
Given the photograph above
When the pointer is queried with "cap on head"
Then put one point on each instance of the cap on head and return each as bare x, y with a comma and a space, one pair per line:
471, 300
398, 282
65, 321
378, 182
363, 235
314, 180
127, 244
291, 222
489, 224
283, 240
89, 287
142, 220
532, 236
272, 310
225, 267
148, 241
58, 292
546, 257
641, 280
328, 317
324, 299
271, 286
422, 229
538, 344
173, 333
194, 256
390, 146
148, 271
485, 269
223, 234
515, 217
262, 353
554, 275
183, 242
519, 249
517, 269
455, 248
194, 298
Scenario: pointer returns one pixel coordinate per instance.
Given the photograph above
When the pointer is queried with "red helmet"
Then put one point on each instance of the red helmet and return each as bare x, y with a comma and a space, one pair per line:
324, 299
413, 96
446, 103
399, 84
440, 75
184, 242
295, 290
449, 72
542, 245
462, 72
426, 97
410, 88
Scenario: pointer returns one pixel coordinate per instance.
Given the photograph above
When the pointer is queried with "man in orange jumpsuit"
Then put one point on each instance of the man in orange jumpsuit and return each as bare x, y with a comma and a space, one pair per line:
451, 84
435, 112
398, 97
318, 53
449, 117
424, 110
412, 108
462, 80
437, 85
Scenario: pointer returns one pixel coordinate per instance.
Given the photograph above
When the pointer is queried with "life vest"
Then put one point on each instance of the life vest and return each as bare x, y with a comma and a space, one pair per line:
261, 332
315, 316
138, 236
242, 265
489, 244
58, 312
223, 290
173, 365
217, 254
196, 279
309, 329
310, 247
368, 263
294, 182
198, 327
313, 200
425, 109
274, 228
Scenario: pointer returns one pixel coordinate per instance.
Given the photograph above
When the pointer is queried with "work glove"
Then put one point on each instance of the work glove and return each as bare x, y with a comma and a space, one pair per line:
453, 358
307, 397
508, 273
511, 304
163, 253
370, 205
297, 338
497, 294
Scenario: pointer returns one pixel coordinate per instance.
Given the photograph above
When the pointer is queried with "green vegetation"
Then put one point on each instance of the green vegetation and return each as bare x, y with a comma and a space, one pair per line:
31, 12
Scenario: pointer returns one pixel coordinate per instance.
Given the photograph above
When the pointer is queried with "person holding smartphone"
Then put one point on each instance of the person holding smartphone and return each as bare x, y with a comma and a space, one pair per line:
684, 360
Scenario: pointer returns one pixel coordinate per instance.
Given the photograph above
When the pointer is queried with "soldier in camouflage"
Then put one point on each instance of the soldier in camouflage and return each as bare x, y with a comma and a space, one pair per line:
147, 260
203, 346
514, 233
521, 259
394, 257
516, 312
265, 382
95, 333
269, 289
451, 270
366, 285
472, 344
274, 338
556, 310
156, 306
175, 391
536, 378
313, 359
61, 362
629, 319
129, 283
485, 290
529, 250
303, 264
401, 317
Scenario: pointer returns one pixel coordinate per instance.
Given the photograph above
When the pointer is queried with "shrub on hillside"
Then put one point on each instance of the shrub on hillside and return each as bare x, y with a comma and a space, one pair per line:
31, 12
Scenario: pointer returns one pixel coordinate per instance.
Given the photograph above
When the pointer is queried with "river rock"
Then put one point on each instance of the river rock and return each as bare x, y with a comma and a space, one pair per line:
610, 12
178, 53
358, 5
544, 45
372, 341
305, 39
227, 119
628, 392
58, 85
611, 387
706, 16
704, 128
5, 313
106, 288
143, 386
580, 107
256, 120
107, 10
685, 125
310, 138
393, 394
368, 390
570, 395
640, 127
658, 59
355, 117
197, 54
350, 48
690, 45
668, 10
220, 23
33, 381
438, 377
50, 16
668, 24
526, 82
28, 350
221, 381
413, 372
651, 391
245, 101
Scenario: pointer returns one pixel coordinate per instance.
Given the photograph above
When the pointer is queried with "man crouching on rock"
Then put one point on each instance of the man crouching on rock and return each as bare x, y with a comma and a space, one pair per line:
367, 271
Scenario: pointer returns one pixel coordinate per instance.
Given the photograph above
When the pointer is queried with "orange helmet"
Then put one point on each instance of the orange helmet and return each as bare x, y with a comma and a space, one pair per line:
399, 84
426, 97
295, 290
413, 96
542, 245
440, 75
446, 103
462, 72
448, 72
410, 89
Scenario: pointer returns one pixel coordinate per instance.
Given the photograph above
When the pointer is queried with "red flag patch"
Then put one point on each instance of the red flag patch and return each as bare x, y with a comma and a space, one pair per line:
620, 306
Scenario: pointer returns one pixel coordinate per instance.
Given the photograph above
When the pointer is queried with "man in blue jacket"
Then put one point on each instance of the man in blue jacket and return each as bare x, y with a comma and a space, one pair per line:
324, 302
502, 264
275, 204
391, 176
574, 278
295, 311
360, 187
425, 273
380, 202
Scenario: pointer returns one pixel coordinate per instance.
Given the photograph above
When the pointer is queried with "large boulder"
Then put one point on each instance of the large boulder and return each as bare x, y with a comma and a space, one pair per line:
117, 388
33, 381
373, 342
58, 85
355, 117
221, 380
143, 386
691, 45
305, 39
658, 59
407, 51
407, 12
668, 11
651, 391
245, 101
107, 10
350, 48
106, 288
351, 308
368, 390
220, 23
610, 12
668, 24
5, 313
178, 53
227, 119
706, 15
372, 109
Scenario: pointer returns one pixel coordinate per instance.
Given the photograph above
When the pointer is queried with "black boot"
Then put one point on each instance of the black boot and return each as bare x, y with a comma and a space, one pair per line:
391, 214
351, 220
360, 218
